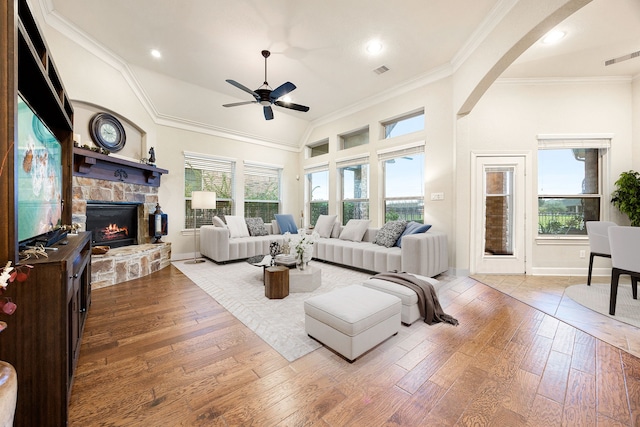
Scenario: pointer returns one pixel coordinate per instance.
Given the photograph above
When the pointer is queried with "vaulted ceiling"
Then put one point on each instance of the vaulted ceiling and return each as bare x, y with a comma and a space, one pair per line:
320, 46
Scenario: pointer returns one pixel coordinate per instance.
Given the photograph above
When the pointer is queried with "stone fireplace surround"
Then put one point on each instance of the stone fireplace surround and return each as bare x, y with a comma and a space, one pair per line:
128, 262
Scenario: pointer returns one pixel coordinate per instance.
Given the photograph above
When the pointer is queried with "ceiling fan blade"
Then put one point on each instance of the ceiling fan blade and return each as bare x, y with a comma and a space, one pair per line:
292, 106
268, 112
235, 104
282, 90
242, 87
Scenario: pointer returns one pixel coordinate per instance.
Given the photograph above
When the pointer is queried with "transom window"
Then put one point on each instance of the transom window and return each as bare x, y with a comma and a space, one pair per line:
319, 148
413, 122
354, 139
205, 173
569, 185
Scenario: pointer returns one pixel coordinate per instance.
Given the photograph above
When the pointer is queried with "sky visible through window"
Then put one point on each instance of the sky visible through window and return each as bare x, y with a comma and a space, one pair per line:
405, 176
559, 173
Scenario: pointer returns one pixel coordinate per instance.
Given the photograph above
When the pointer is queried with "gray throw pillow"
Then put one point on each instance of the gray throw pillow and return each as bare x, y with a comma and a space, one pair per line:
256, 227
389, 233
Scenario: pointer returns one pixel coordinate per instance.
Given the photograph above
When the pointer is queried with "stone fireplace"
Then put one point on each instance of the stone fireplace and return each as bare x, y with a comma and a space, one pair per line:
104, 182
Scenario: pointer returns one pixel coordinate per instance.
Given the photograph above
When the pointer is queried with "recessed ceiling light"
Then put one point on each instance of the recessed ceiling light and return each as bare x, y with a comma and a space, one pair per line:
553, 36
374, 47
156, 53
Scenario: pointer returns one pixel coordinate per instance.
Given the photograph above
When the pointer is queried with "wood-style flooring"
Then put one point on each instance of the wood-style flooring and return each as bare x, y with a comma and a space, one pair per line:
158, 351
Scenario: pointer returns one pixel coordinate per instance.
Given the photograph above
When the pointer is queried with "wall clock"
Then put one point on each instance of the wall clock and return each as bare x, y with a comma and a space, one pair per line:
107, 131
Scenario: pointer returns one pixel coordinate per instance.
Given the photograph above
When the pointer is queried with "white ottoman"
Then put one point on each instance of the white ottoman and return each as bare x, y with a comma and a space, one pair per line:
410, 311
352, 320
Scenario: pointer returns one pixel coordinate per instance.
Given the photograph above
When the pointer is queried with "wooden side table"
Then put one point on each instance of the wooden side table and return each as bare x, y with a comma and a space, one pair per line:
276, 282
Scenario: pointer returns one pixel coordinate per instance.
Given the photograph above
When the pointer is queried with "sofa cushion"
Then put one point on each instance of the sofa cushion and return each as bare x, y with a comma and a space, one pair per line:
218, 222
412, 228
388, 235
237, 226
256, 227
286, 223
354, 230
325, 224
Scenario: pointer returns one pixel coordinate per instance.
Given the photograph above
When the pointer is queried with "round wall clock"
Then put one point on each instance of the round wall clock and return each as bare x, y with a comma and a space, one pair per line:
107, 132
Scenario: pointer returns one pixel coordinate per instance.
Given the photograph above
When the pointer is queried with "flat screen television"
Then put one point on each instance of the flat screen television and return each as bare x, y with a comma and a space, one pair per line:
39, 178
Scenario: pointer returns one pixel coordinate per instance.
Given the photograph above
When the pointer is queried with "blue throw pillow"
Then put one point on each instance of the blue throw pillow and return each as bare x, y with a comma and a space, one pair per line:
286, 223
412, 228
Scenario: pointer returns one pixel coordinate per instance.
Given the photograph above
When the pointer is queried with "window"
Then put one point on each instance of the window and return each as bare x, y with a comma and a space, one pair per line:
319, 148
261, 191
355, 138
569, 185
354, 176
318, 191
403, 184
406, 124
202, 172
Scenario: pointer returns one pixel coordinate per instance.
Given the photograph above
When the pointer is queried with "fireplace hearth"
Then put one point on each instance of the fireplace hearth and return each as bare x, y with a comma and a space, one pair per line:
113, 224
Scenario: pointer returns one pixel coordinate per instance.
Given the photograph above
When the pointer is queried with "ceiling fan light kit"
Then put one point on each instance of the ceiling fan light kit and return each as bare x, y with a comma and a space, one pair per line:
265, 96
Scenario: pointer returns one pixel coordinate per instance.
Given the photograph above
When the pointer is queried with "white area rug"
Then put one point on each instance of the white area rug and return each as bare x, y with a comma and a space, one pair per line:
596, 298
238, 287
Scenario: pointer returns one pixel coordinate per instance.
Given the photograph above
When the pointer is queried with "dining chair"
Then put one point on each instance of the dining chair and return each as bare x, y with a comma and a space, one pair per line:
598, 242
625, 259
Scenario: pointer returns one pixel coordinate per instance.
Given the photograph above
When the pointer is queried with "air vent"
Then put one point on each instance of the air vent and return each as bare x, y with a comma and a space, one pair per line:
381, 70
622, 58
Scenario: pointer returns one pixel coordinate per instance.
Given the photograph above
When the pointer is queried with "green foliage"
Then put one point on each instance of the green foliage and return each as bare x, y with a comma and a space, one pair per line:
391, 215
626, 196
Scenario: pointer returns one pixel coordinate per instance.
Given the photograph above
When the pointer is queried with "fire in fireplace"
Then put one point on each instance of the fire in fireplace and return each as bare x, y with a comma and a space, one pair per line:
113, 224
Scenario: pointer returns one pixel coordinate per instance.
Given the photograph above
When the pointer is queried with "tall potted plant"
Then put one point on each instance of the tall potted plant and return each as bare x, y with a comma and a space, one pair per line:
626, 196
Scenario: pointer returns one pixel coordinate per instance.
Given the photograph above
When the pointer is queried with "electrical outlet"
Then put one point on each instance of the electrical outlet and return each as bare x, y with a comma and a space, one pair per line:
437, 196
582, 253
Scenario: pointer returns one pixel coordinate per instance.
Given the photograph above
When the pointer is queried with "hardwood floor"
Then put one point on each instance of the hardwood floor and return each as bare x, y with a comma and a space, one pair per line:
159, 351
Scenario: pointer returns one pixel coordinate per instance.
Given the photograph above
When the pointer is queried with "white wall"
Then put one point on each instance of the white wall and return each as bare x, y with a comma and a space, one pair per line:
510, 116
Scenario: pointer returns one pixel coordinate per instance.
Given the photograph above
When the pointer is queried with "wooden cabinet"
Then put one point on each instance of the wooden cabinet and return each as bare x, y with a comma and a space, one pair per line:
43, 340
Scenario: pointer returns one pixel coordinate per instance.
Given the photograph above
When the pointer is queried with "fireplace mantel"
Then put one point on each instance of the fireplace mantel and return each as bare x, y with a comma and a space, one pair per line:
90, 164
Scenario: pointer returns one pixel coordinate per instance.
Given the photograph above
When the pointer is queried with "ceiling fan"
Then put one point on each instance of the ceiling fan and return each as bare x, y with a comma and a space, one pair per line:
266, 96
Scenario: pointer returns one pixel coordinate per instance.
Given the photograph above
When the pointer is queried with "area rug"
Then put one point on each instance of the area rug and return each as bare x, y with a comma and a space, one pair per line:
238, 287
596, 298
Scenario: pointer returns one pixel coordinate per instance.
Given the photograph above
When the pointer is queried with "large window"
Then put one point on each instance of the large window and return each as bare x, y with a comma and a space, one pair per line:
205, 173
354, 139
354, 175
403, 184
569, 185
413, 122
261, 191
318, 191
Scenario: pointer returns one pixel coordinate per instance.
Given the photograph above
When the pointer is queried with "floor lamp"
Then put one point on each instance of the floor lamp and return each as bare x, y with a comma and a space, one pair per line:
200, 200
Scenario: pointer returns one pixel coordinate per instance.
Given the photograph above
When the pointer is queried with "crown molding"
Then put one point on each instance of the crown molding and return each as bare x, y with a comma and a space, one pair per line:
496, 14
563, 80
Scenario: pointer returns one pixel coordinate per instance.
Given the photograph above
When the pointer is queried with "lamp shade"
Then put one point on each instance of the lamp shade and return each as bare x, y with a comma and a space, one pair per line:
203, 200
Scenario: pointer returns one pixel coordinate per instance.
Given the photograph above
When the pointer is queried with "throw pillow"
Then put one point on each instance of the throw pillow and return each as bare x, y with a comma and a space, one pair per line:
324, 225
286, 223
237, 226
388, 235
412, 228
354, 230
218, 222
256, 227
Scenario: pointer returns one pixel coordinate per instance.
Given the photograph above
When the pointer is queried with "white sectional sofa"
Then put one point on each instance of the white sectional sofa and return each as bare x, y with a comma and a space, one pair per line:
216, 244
425, 254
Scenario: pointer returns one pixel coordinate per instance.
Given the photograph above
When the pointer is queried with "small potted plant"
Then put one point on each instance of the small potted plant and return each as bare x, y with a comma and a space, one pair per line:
626, 196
